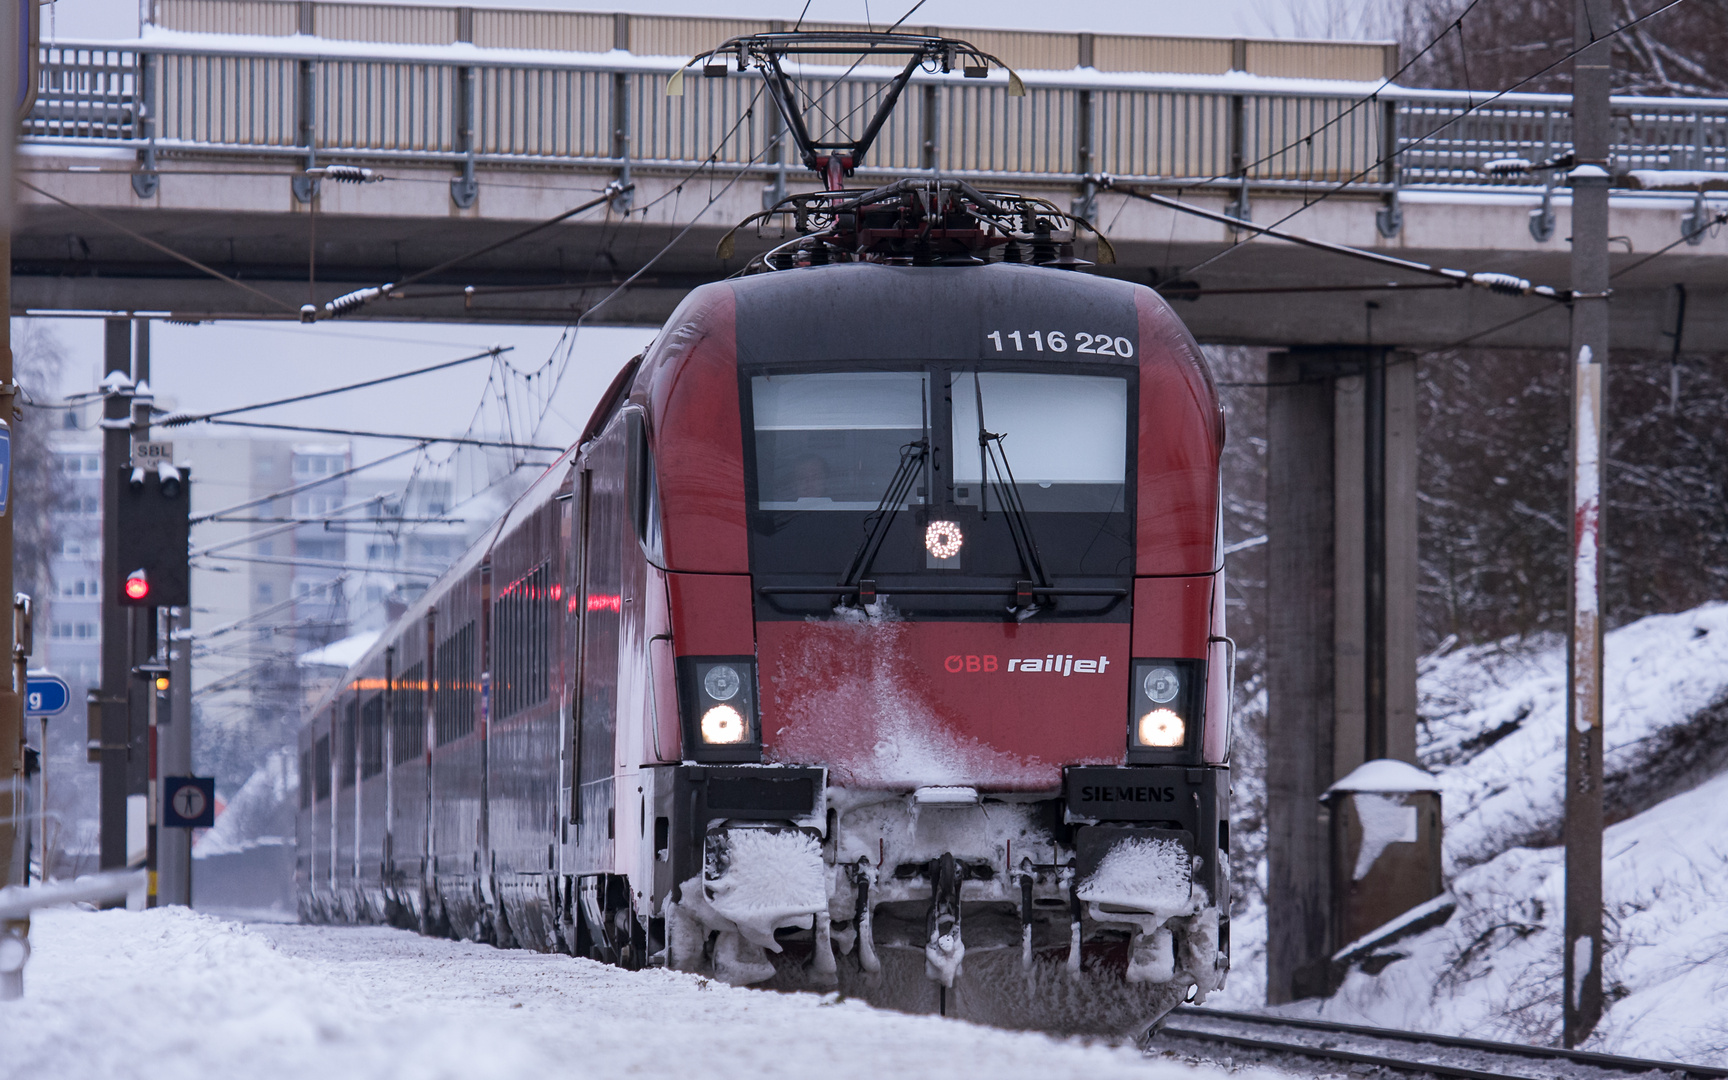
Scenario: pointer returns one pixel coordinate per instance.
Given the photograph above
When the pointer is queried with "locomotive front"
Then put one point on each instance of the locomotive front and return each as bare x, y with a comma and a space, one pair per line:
946, 602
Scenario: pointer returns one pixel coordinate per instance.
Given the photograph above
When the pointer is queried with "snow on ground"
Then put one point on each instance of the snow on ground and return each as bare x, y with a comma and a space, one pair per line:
1493, 725
1494, 721
1493, 970
171, 994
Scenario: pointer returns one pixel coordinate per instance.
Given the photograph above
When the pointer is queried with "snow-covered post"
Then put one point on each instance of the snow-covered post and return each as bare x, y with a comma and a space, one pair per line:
17, 902
1386, 833
1582, 961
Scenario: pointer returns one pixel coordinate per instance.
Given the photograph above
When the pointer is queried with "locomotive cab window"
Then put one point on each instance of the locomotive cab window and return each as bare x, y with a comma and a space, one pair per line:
833, 441
1063, 439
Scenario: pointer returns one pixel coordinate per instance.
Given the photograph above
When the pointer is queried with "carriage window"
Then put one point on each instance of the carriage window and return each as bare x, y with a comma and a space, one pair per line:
321, 768
1064, 437
833, 441
409, 717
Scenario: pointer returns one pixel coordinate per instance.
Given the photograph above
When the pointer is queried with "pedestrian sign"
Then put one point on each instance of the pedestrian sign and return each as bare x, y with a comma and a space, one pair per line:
189, 802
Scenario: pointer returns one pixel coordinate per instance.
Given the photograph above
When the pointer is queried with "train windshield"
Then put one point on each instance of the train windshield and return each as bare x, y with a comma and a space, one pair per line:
1063, 440
989, 476
834, 441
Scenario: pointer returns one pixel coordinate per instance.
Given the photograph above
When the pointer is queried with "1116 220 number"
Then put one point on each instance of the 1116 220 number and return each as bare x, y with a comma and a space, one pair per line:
1057, 342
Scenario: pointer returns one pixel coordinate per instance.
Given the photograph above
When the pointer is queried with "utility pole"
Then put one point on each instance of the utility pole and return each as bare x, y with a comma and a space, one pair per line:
174, 749
12, 830
142, 774
112, 740
1582, 963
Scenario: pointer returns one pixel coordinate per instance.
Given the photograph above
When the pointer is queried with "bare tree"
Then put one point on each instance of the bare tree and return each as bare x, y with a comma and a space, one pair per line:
39, 360
1499, 45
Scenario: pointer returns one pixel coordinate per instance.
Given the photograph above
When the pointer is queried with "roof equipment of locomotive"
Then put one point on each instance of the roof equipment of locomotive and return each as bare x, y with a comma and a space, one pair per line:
834, 160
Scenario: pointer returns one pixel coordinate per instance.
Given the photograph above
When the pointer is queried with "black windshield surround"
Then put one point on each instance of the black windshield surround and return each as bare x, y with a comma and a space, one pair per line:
801, 555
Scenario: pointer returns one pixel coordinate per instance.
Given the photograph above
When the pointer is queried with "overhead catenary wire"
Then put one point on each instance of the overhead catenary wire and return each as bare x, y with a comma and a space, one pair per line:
266, 612
179, 419
360, 434
278, 530
1505, 284
1367, 99
712, 199
217, 515
369, 525
1719, 219
324, 564
347, 302
163, 248
1685, 236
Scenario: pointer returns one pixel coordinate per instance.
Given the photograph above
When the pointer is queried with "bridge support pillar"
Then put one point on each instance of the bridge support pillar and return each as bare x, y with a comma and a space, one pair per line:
1341, 598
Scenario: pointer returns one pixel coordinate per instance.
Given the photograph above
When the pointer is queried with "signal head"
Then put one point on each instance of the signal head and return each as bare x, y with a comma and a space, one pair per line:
168, 480
137, 586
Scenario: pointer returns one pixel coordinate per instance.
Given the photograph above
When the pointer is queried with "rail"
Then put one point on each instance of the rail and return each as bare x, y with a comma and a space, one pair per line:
1407, 1052
469, 107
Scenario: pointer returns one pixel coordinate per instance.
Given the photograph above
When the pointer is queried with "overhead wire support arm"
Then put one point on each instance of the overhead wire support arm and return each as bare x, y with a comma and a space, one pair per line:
1504, 284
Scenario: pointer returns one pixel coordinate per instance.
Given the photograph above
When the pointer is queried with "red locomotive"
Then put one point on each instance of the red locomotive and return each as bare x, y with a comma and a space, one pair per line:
872, 637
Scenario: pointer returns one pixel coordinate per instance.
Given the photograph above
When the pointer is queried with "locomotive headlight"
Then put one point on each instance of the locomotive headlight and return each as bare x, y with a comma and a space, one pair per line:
1166, 707
1162, 728
717, 702
723, 726
721, 683
1161, 685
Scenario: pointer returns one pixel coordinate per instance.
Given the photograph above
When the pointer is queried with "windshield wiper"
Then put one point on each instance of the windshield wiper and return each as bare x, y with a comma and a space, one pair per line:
993, 455
912, 456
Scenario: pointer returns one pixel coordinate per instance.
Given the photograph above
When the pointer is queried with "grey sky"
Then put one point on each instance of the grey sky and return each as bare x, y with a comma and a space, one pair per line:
219, 366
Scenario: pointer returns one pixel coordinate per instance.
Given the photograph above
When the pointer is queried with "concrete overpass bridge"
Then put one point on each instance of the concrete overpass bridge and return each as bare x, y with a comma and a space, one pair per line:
197, 142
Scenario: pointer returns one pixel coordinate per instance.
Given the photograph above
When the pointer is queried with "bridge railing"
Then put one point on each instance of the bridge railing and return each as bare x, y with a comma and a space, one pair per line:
457, 105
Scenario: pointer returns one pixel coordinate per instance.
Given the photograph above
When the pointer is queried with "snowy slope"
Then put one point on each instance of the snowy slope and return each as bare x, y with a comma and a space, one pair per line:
173, 994
1494, 722
1494, 969
1493, 730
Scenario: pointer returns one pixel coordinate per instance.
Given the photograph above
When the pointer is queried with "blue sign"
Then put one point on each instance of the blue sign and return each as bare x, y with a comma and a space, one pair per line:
46, 695
189, 802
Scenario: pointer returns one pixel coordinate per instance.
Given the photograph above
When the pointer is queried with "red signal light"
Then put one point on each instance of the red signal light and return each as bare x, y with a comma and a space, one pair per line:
137, 585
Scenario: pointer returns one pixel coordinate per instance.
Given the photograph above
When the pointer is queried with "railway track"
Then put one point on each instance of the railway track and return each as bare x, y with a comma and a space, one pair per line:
1318, 1045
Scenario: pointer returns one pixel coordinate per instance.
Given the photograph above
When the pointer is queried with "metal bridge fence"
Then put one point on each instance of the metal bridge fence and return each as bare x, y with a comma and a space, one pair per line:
438, 105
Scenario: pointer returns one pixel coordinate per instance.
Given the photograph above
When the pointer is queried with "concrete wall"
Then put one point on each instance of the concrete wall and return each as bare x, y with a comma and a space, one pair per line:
1319, 706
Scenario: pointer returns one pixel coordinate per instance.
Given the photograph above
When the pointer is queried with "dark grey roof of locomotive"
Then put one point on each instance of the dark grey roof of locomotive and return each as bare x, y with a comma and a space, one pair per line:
822, 314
